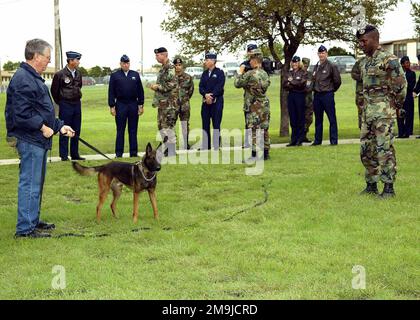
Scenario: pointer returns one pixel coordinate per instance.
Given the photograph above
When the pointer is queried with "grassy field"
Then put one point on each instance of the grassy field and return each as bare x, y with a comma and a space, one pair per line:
294, 232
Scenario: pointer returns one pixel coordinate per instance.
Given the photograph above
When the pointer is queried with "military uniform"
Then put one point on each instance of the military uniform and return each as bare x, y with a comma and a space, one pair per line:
186, 90
406, 118
126, 94
356, 74
327, 80
166, 101
309, 102
384, 89
256, 103
66, 90
295, 82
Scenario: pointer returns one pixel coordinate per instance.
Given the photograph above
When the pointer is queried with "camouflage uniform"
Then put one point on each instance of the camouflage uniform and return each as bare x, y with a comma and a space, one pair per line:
356, 75
384, 89
256, 104
165, 100
186, 90
309, 100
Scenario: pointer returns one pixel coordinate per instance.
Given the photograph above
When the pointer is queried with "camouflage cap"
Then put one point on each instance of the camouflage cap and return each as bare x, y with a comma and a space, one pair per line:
306, 61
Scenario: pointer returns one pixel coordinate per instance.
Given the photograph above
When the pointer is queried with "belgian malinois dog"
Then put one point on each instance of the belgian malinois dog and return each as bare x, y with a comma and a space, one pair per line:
138, 176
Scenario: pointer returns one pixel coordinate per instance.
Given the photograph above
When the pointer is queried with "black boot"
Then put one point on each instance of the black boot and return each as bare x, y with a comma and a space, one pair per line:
371, 188
266, 154
388, 191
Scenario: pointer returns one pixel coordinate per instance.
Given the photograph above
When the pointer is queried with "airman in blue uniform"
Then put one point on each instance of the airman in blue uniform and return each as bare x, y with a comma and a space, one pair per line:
211, 87
126, 100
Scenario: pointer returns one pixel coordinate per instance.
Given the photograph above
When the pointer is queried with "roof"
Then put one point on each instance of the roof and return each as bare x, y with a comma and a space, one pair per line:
399, 41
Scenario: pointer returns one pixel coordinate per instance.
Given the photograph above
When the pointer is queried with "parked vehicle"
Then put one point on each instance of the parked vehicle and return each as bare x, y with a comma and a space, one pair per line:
195, 72
230, 69
344, 63
149, 77
88, 81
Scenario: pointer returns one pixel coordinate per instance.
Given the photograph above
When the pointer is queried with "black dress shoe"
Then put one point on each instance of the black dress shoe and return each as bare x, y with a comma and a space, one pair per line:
306, 140
45, 226
65, 159
78, 158
316, 144
34, 235
134, 155
418, 137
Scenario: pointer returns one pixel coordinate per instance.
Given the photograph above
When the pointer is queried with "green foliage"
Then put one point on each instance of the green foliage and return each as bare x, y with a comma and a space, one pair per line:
106, 71
337, 51
83, 71
416, 16
95, 72
11, 66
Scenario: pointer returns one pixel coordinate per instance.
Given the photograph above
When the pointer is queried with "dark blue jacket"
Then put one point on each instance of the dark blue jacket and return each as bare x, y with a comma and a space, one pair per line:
410, 75
214, 83
125, 89
29, 106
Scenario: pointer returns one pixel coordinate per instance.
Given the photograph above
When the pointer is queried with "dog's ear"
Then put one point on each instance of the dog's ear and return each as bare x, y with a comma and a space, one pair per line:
149, 148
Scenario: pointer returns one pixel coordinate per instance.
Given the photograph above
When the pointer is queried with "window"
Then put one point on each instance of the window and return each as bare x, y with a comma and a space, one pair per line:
400, 50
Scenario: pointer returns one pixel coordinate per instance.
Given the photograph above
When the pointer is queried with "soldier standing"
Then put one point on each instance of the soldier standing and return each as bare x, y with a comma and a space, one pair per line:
186, 90
356, 74
126, 102
416, 92
212, 89
295, 83
406, 115
165, 99
309, 101
327, 81
66, 92
384, 89
256, 106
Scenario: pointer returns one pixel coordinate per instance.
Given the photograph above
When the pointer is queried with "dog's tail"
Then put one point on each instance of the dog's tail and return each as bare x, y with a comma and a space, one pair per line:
85, 171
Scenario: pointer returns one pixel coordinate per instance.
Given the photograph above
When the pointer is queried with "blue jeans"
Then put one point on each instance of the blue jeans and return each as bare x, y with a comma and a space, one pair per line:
33, 161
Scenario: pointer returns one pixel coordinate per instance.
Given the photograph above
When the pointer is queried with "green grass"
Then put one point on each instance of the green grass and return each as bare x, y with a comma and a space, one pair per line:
217, 237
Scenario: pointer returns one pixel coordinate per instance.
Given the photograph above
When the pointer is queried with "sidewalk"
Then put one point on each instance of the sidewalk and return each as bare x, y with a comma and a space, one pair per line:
7, 162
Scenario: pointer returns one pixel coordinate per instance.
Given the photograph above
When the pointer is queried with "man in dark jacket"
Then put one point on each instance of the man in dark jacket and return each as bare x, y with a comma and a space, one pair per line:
416, 92
211, 87
126, 100
327, 81
66, 92
30, 119
406, 116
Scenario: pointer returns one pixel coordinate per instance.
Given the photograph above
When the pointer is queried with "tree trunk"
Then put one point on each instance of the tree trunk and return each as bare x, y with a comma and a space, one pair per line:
284, 113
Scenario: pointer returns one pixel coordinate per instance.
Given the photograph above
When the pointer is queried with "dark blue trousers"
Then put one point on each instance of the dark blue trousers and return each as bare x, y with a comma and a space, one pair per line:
324, 102
71, 114
126, 113
214, 113
406, 124
296, 108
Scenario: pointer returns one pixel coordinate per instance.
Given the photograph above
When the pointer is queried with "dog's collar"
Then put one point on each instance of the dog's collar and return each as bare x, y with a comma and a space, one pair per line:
140, 164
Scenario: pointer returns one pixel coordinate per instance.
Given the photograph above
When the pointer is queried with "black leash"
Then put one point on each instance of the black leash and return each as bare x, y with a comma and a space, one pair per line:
93, 148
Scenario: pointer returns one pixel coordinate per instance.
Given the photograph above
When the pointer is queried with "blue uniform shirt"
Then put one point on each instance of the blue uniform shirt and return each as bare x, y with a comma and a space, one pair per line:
213, 83
125, 89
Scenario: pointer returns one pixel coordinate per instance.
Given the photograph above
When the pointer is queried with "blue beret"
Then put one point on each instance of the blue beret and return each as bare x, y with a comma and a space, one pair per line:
211, 55
73, 55
160, 50
296, 59
404, 59
125, 58
322, 49
251, 47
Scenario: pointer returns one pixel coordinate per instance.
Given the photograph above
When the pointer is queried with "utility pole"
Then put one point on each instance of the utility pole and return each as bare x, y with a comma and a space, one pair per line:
141, 37
57, 36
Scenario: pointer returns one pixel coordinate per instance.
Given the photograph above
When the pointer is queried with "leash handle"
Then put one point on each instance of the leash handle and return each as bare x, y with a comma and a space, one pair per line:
93, 148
